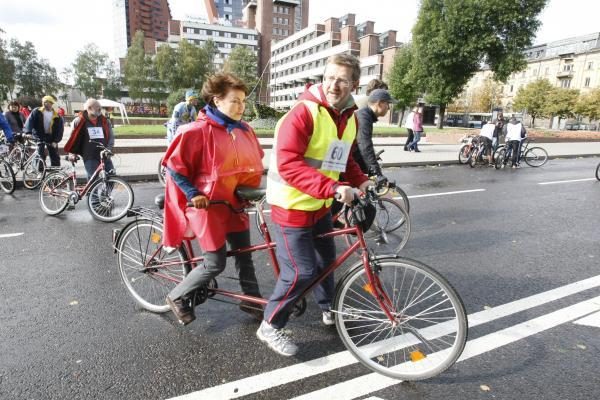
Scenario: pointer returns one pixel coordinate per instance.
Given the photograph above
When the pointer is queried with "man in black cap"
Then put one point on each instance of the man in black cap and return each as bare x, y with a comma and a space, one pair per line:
378, 105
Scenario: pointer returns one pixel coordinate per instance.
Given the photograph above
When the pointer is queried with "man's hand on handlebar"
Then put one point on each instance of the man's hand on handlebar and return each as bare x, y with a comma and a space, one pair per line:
381, 181
200, 201
344, 194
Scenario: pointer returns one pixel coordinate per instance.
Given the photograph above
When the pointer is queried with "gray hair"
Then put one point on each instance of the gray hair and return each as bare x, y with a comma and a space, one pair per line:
91, 102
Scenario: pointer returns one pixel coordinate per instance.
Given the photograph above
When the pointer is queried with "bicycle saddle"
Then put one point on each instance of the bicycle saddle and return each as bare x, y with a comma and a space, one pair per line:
159, 200
249, 193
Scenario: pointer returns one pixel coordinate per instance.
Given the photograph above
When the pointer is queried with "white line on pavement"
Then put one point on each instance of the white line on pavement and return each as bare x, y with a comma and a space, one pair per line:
292, 373
443, 193
569, 181
9, 235
373, 382
590, 320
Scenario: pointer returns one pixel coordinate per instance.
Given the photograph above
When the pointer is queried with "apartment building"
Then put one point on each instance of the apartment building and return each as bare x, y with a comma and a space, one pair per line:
301, 58
225, 37
569, 63
225, 11
129, 16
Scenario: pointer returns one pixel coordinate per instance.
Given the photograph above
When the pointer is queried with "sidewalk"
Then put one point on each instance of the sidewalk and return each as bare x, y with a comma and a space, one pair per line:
137, 159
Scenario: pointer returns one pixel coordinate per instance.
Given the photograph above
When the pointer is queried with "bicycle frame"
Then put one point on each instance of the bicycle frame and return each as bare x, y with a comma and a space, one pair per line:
79, 190
375, 288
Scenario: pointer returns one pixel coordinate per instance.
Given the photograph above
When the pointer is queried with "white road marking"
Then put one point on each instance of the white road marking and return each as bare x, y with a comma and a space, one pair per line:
9, 235
443, 193
292, 373
373, 382
590, 320
569, 181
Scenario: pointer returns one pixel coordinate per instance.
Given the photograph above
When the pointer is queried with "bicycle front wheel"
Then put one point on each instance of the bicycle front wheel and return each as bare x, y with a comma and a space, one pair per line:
430, 326
149, 273
162, 172
14, 158
34, 172
400, 196
7, 178
54, 193
598, 172
109, 199
500, 158
536, 157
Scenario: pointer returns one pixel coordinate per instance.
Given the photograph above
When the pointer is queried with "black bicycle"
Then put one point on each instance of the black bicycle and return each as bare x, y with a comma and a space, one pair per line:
533, 156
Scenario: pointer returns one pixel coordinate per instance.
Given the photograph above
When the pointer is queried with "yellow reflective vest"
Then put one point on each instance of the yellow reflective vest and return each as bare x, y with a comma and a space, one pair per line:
279, 192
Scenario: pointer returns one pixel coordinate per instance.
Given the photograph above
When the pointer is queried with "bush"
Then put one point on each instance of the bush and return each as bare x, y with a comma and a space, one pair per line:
262, 111
264, 123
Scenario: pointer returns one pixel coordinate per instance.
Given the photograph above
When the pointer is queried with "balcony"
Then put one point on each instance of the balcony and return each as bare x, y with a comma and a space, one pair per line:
289, 2
564, 74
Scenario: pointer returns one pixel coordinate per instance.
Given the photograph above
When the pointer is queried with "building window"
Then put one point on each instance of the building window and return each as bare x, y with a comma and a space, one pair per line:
202, 32
285, 32
227, 34
566, 83
587, 82
547, 71
239, 36
227, 45
568, 67
215, 33
590, 65
511, 88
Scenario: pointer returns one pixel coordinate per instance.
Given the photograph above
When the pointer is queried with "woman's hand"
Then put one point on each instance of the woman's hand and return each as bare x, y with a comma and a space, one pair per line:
200, 201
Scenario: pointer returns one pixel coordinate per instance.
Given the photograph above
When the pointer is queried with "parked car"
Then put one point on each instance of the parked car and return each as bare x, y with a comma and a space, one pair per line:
579, 126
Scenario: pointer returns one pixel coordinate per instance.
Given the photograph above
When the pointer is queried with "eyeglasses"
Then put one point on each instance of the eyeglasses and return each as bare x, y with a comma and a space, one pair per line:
332, 80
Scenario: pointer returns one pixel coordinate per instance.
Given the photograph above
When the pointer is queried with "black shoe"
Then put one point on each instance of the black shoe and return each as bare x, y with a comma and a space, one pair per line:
405, 148
417, 151
182, 310
255, 310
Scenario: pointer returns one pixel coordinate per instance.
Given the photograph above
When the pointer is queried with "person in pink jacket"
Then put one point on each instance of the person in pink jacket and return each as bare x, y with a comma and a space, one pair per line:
417, 129
206, 161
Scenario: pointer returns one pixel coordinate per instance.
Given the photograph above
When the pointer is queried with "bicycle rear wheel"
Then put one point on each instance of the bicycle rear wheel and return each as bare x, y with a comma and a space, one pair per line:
149, 273
500, 158
34, 172
463, 154
109, 199
7, 178
430, 328
54, 193
536, 157
598, 172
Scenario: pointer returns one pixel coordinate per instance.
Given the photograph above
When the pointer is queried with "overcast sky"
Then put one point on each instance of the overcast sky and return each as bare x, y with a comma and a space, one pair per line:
58, 29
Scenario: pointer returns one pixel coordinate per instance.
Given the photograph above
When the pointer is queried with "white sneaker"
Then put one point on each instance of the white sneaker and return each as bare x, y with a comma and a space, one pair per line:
276, 339
328, 318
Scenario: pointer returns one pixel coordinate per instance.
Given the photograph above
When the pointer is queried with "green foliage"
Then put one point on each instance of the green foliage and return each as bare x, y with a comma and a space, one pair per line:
402, 87
562, 101
175, 98
137, 67
34, 76
90, 70
242, 63
211, 52
533, 98
7, 71
167, 62
488, 96
588, 105
263, 111
453, 37
112, 83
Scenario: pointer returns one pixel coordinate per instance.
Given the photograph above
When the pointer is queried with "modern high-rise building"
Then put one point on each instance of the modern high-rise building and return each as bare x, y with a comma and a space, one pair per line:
225, 11
275, 20
150, 16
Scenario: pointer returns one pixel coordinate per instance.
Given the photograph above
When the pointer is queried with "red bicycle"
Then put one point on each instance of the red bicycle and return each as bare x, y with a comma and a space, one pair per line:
108, 196
397, 316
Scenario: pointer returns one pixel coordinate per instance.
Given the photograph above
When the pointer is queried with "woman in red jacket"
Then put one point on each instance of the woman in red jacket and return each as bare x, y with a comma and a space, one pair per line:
206, 161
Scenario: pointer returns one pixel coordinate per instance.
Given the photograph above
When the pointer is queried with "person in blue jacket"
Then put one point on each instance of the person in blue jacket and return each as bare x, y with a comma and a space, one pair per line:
47, 127
4, 125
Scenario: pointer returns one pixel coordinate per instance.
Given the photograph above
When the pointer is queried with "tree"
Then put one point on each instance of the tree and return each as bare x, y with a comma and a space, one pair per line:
112, 83
7, 72
167, 66
533, 98
488, 96
242, 62
193, 64
561, 102
588, 105
401, 86
452, 38
33, 76
90, 70
211, 52
135, 74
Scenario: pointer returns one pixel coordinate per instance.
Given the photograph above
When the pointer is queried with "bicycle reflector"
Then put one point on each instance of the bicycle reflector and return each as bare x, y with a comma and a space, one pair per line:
417, 355
155, 237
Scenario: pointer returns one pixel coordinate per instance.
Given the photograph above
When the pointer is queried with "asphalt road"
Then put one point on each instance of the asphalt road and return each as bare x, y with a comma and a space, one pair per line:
522, 253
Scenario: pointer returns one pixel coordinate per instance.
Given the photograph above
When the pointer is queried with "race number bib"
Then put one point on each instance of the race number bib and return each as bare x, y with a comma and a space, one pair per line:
95, 133
336, 156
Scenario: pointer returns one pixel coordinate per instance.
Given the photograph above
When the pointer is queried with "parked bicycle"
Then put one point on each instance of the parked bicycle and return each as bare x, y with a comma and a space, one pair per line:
24, 157
108, 196
533, 156
8, 181
477, 154
397, 316
464, 153
162, 172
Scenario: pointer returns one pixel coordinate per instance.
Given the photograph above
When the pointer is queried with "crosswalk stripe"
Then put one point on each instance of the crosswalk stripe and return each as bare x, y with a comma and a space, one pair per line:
292, 373
590, 320
443, 193
373, 382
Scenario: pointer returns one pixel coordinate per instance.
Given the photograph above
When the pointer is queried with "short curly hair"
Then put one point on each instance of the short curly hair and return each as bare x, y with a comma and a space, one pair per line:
219, 84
